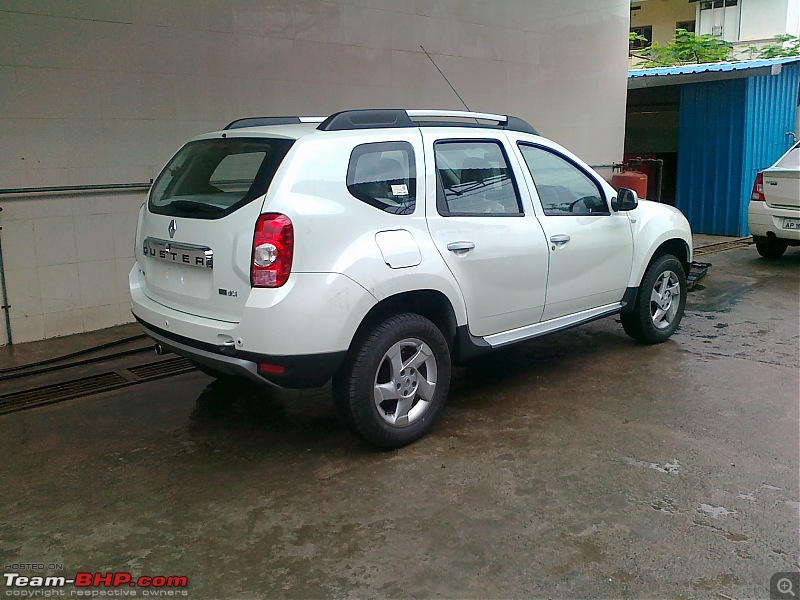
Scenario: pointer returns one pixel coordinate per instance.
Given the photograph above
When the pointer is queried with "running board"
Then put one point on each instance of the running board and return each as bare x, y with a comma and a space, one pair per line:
498, 340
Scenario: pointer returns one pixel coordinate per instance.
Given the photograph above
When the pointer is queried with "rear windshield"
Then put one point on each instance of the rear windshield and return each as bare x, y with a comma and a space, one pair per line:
791, 160
208, 179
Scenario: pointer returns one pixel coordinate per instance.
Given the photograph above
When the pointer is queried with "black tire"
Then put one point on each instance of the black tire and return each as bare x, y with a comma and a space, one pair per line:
369, 364
640, 323
771, 248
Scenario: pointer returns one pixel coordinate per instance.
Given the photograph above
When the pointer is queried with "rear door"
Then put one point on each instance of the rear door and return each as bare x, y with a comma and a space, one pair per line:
196, 235
782, 181
484, 231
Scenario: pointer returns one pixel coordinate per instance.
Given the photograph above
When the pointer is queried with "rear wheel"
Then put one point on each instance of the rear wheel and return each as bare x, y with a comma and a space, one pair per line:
659, 304
771, 247
394, 384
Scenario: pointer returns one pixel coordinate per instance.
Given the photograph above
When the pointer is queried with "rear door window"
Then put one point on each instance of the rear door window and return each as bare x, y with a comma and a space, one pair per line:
208, 179
474, 179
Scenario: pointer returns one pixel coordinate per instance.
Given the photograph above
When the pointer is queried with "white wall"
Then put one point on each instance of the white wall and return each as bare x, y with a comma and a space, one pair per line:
102, 91
763, 19
66, 260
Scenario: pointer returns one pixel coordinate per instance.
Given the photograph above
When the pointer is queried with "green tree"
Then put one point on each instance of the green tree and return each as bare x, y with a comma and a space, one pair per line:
686, 48
785, 45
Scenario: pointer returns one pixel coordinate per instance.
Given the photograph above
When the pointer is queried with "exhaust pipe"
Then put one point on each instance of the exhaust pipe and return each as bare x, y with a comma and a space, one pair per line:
159, 349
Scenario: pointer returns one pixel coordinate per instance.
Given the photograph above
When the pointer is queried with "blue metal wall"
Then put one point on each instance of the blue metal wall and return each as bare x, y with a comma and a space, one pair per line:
728, 130
772, 106
710, 145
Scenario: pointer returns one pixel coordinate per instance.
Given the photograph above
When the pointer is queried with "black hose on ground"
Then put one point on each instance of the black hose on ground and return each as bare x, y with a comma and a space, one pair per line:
77, 353
77, 363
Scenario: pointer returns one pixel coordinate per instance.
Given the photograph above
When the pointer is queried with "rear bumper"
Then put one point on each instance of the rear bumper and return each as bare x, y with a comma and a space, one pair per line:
297, 372
765, 221
313, 313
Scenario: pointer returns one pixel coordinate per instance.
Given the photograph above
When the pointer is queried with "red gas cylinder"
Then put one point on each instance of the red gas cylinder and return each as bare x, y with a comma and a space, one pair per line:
632, 180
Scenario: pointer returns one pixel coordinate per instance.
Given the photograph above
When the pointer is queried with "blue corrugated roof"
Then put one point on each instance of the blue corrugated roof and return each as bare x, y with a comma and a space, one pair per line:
711, 67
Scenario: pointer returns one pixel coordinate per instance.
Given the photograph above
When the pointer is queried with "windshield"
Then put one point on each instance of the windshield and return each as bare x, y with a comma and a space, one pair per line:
208, 179
791, 160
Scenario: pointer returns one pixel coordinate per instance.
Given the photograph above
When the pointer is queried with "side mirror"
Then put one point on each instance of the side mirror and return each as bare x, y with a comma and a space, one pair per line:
626, 200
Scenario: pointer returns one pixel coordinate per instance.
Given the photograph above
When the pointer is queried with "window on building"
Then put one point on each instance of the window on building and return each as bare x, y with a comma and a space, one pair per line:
720, 18
645, 31
718, 4
686, 25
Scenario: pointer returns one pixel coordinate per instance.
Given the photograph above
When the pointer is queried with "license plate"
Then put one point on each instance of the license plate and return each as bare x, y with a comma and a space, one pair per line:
179, 254
791, 224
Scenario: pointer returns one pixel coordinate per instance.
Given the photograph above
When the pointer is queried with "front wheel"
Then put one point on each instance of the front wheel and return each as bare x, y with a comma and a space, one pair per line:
394, 384
659, 304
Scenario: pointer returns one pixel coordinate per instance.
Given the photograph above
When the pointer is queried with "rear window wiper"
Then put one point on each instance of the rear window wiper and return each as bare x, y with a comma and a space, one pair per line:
193, 205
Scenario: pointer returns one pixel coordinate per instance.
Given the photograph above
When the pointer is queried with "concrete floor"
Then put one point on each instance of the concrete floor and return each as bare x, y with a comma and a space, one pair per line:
580, 465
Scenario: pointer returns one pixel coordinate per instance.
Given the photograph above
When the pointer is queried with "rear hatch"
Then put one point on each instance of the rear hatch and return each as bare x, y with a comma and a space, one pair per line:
196, 235
782, 181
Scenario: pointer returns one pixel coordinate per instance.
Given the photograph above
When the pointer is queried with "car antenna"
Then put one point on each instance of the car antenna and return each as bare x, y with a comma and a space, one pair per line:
445, 78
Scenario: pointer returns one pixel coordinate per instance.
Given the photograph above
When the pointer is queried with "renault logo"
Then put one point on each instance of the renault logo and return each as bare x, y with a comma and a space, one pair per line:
173, 227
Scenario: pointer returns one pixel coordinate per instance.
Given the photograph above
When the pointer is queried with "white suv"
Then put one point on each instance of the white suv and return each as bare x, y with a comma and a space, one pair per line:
377, 247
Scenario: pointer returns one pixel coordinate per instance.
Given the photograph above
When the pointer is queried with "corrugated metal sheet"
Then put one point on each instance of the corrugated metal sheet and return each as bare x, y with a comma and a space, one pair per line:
711, 67
710, 146
771, 112
727, 131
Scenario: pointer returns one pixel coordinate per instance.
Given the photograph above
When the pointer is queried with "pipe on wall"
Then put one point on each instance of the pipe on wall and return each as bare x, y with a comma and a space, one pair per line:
6, 306
75, 188
58, 189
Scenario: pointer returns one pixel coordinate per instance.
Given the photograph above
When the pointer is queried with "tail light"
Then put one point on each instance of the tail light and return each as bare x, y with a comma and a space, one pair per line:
758, 189
273, 248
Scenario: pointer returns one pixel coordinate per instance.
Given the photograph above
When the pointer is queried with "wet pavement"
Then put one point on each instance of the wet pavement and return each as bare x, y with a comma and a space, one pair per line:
578, 465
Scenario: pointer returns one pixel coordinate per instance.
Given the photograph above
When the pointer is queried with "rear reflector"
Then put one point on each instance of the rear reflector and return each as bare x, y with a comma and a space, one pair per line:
273, 249
758, 189
269, 369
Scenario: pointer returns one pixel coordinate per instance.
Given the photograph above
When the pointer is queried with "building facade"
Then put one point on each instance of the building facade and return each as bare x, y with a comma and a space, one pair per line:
745, 23
97, 92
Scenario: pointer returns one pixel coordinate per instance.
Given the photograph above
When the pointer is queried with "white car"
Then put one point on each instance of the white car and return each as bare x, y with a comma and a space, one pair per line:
773, 214
377, 247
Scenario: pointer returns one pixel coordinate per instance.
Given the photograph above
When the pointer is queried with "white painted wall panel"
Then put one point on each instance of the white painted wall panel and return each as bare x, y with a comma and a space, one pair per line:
765, 18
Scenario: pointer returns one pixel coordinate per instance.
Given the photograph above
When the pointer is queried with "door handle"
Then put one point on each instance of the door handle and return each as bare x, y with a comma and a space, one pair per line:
559, 240
460, 246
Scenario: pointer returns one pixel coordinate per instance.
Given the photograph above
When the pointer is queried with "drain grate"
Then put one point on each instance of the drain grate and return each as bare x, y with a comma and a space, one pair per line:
162, 368
722, 246
50, 394
95, 384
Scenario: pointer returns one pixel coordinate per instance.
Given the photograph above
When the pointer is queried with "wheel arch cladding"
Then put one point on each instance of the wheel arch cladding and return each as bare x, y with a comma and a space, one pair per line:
431, 304
677, 248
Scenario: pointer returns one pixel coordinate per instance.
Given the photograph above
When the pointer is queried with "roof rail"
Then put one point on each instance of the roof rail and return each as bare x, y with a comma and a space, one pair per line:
456, 114
379, 118
264, 121
383, 118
